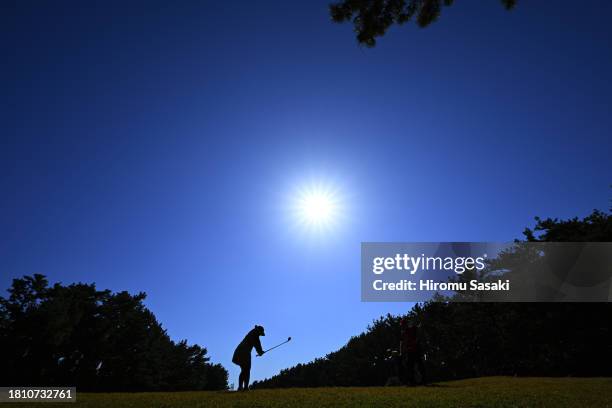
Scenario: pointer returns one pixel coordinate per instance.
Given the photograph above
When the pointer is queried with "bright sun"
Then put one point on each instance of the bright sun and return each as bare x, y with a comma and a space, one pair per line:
317, 207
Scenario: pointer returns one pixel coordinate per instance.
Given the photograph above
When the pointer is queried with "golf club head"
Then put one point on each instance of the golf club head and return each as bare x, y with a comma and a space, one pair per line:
288, 338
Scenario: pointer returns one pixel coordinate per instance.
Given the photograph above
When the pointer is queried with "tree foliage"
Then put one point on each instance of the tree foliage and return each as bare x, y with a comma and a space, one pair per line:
597, 227
481, 339
95, 340
372, 18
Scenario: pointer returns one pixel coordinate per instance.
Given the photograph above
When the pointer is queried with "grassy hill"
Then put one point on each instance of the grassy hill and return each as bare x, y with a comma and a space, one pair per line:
478, 392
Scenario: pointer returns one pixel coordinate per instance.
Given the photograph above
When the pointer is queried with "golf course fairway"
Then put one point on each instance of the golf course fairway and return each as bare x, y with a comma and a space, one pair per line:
477, 392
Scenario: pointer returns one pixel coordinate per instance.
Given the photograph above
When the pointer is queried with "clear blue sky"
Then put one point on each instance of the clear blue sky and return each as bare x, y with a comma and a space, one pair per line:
153, 147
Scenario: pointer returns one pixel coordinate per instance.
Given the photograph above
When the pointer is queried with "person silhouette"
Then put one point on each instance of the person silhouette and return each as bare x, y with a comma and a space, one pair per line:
411, 353
242, 355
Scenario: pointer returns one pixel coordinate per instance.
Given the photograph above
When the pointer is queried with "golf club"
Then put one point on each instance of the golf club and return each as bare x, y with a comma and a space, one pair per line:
278, 345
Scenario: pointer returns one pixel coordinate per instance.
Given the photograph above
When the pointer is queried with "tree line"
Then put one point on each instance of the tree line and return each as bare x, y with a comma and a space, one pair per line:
372, 18
103, 341
462, 340
95, 340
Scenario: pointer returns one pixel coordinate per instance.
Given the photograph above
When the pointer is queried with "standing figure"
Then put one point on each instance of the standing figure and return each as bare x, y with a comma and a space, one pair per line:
242, 355
411, 353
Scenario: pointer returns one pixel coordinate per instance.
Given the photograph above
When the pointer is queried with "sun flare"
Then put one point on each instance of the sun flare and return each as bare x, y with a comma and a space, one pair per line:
317, 207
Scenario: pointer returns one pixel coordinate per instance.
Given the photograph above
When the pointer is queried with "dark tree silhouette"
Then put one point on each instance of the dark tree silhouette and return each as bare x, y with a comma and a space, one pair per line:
96, 340
597, 227
480, 339
372, 18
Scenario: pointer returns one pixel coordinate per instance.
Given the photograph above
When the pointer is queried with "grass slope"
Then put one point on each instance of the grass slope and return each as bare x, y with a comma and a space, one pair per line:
478, 392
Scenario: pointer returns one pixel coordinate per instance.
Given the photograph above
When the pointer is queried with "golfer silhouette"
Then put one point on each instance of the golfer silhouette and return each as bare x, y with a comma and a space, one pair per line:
242, 355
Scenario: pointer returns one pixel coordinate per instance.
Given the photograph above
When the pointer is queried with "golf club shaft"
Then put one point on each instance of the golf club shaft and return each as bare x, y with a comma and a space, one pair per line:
278, 345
